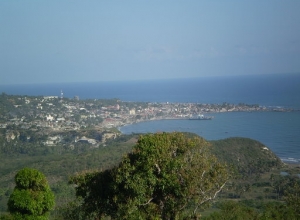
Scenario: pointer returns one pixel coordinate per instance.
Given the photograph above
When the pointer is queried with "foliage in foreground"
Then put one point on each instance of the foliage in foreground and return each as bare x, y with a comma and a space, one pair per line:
165, 175
32, 197
257, 189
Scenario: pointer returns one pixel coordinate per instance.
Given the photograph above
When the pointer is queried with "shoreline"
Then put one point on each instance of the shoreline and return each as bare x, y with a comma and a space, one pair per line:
288, 161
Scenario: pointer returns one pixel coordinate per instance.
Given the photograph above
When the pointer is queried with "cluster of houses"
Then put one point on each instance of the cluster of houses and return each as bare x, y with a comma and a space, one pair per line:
52, 113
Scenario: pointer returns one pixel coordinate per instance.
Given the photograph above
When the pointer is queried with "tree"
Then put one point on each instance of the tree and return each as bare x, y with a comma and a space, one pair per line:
32, 197
165, 175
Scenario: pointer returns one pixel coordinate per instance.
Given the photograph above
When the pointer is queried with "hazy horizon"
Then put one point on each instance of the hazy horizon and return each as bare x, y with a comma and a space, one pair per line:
75, 41
155, 79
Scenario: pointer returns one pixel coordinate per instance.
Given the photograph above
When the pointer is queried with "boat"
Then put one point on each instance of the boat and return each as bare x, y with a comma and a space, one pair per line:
200, 117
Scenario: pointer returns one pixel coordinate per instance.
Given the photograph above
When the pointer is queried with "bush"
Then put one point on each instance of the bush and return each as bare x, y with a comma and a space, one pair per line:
32, 197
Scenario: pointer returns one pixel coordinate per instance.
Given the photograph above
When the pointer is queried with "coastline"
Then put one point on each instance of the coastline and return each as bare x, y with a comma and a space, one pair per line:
53, 114
284, 158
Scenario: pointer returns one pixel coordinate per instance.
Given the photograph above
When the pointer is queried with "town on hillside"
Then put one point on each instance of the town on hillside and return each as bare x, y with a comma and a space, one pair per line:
52, 115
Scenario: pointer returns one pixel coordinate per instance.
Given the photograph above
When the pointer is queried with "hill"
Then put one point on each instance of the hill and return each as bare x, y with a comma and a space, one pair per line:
248, 157
251, 161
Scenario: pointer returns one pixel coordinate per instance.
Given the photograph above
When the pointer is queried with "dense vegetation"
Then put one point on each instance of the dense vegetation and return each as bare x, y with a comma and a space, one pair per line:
258, 185
59, 164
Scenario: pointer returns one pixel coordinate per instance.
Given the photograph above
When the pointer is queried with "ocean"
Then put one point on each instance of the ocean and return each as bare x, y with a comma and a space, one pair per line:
280, 131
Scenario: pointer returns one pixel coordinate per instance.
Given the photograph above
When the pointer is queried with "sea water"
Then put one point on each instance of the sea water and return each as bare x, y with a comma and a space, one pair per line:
280, 131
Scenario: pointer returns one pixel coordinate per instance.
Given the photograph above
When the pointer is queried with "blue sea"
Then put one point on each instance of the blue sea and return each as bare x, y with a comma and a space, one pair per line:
280, 131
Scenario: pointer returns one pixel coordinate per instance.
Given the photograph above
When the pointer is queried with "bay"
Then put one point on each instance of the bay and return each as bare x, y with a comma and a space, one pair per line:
279, 131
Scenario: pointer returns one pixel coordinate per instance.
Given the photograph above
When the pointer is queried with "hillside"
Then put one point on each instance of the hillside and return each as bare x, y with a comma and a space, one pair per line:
247, 156
252, 163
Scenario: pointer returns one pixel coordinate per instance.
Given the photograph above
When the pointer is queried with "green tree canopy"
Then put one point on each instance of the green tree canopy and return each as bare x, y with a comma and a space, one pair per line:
32, 197
165, 175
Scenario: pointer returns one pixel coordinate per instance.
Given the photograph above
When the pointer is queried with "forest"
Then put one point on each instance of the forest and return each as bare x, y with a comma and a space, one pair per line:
252, 182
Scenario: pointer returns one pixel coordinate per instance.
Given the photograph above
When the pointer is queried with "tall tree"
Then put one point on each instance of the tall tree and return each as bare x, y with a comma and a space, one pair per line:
32, 198
165, 175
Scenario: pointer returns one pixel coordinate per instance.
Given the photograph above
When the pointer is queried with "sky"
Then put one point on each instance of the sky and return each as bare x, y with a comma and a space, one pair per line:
88, 41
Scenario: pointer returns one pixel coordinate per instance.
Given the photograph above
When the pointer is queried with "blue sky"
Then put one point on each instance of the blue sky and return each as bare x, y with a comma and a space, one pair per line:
76, 41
